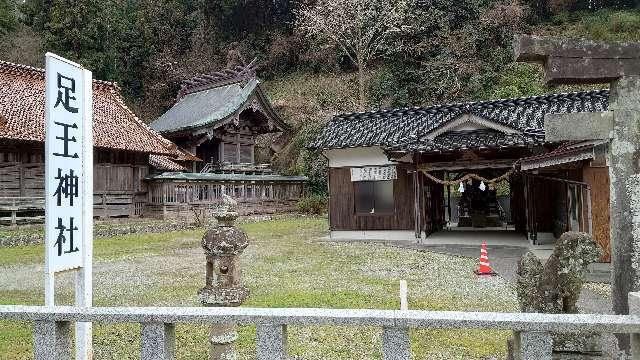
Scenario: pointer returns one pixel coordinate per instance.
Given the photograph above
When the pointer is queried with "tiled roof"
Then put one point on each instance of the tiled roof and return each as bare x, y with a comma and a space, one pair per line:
216, 99
184, 155
22, 95
394, 127
567, 152
165, 163
472, 139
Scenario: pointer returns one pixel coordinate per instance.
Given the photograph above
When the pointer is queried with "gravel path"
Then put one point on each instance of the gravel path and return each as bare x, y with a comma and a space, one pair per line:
115, 281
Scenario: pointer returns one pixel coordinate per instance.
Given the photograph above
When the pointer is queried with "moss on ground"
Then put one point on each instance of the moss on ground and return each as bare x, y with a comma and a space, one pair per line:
285, 265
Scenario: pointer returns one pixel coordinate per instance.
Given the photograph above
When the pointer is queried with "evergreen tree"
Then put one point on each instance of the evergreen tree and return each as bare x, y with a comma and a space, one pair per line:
8, 16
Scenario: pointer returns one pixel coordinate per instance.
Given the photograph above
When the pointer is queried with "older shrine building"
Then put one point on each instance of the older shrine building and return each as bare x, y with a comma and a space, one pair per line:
137, 171
123, 146
217, 118
404, 174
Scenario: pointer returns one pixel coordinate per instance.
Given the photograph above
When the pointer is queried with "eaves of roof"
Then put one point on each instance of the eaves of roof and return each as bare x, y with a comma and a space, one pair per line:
179, 176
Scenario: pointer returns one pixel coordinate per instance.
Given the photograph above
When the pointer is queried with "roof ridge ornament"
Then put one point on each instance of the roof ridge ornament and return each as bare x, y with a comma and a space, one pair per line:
218, 78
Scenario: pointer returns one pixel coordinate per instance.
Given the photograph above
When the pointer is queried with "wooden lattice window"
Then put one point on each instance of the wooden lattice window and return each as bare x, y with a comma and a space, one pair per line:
230, 153
246, 154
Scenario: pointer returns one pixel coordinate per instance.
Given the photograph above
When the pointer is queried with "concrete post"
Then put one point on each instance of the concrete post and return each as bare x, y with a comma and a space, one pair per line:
158, 341
395, 343
272, 342
52, 340
533, 345
624, 103
634, 309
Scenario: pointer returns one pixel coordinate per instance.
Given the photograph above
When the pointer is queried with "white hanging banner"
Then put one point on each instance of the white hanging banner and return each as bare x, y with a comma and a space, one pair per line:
374, 173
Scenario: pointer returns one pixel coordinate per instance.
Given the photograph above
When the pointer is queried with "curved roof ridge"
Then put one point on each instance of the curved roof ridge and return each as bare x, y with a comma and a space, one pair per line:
217, 78
467, 106
393, 126
9, 64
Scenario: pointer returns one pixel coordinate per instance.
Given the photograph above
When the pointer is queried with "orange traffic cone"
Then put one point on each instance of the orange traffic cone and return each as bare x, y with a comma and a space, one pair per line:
485, 267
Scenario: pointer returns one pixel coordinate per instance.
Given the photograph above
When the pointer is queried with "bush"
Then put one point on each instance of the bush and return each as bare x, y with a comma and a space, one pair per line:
314, 204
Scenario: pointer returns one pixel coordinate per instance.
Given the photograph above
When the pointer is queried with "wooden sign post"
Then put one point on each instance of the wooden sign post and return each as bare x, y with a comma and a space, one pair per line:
69, 185
585, 62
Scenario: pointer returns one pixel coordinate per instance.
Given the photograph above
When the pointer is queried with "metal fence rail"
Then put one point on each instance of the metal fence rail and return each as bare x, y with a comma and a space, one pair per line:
53, 338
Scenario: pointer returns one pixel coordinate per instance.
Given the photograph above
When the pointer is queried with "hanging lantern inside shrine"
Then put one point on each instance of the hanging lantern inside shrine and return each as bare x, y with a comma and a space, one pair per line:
482, 186
461, 187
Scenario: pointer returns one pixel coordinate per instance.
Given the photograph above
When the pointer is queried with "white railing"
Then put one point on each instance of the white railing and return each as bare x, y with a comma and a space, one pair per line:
53, 337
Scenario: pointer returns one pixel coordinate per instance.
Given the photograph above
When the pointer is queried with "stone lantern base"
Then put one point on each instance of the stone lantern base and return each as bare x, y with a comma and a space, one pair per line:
223, 296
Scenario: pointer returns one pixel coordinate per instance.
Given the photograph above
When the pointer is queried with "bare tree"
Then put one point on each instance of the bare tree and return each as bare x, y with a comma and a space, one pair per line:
363, 29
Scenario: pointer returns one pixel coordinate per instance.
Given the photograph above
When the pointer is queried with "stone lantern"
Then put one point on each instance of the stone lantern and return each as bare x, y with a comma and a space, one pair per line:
222, 246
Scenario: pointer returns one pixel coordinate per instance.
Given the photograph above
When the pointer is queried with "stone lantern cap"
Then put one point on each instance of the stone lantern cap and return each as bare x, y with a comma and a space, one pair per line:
225, 238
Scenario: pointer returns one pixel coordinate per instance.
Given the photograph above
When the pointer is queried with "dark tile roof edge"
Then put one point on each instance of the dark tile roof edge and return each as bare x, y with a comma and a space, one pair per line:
468, 106
567, 148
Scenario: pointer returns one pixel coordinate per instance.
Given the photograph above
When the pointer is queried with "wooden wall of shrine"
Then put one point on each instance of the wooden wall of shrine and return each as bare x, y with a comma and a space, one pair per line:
598, 179
342, 212
118, 186
197, 200
431, 201
541, 204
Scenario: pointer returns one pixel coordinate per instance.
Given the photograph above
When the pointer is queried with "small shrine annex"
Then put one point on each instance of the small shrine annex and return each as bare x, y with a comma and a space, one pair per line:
407, 173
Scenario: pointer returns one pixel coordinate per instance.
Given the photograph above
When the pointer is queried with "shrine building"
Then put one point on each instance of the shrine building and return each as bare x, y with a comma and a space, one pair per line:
137, 171
217, 118
123, 149
404, 174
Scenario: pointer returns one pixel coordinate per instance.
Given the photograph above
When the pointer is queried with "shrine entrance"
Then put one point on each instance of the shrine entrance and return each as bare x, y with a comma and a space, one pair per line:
477, 206
468, 199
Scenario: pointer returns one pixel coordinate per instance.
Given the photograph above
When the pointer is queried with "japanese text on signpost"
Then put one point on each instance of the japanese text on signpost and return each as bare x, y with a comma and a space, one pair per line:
64, 169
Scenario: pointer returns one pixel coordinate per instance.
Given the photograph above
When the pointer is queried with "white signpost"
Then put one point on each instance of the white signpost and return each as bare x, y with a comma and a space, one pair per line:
69, 185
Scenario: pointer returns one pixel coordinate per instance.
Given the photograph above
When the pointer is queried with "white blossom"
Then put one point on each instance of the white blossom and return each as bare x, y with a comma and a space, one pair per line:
363, 29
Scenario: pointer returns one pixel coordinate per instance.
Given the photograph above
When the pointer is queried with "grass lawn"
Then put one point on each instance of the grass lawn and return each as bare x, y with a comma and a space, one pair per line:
284, 266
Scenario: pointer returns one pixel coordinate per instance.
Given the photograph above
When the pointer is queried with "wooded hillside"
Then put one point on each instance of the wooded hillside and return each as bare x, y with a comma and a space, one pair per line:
317, 57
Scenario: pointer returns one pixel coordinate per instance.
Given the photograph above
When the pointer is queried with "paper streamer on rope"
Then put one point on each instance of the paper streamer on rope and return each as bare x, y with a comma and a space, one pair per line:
468, 177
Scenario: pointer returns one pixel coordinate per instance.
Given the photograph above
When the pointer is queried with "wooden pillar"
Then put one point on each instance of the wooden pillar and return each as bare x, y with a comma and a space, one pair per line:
104, 206
14, 210
525, 192
416, 203
448, 199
